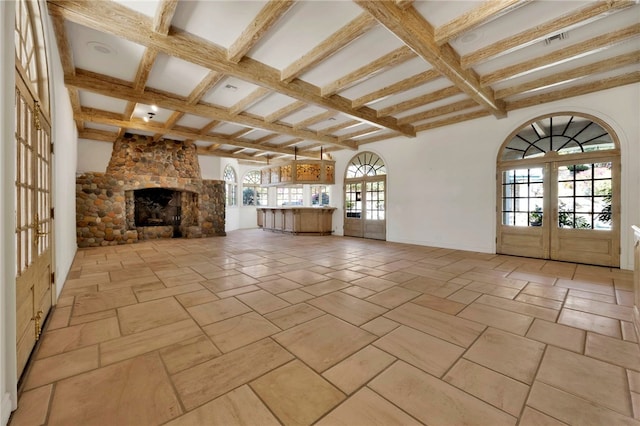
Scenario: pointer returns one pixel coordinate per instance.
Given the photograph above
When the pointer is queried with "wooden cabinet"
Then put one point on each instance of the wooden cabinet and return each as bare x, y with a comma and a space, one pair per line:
297, 220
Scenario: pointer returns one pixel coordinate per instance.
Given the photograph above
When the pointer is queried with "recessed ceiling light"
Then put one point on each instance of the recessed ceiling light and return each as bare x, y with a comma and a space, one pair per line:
102, 48
231, 87
154, 108
470, 37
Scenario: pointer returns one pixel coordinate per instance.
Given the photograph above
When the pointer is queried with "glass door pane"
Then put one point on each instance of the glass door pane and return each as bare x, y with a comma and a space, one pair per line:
522, 197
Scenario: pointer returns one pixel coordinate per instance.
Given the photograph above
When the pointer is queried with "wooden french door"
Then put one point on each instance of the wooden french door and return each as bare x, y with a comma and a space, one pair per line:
365, 208
33, 220
561, 209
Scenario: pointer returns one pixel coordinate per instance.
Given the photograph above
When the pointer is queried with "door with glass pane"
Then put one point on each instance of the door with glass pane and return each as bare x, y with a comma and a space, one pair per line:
585, 215
523, 227
365, 197
34, 222
559, 191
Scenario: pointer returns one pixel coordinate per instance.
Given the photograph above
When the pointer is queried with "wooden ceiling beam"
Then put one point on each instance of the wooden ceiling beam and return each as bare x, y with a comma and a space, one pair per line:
108, 87
361, 132
401, 86
283, 112
98, 135
315, 119
417, 33
336, 127
160, 24
561, 55
420, 101
164, 16
249, 100
208, 127
265, 19
390, 60
66, 59
454, 119
436, 112
566, 76
328, 47
207, 83
111, 119
377, 138
583, 89
210, 80
218, 153
113, 18
527, 37
472, 19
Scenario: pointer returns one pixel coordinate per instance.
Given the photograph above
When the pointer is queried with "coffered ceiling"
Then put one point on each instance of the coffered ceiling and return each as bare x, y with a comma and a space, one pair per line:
261, 80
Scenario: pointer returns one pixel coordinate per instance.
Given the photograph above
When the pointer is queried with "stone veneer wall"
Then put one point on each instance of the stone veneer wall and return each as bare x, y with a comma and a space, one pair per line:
105, 203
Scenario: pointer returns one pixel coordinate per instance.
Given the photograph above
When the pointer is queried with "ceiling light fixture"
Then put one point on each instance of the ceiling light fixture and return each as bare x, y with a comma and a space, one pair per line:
154, 108
231, 87
102, 48
149, 116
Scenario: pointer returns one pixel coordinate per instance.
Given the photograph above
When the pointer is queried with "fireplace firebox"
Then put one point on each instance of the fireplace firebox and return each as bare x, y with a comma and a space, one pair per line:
158, 207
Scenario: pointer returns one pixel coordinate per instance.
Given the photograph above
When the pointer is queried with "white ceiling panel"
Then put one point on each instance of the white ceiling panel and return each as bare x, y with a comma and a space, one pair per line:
270, 104
305, 26
105, 103
403, 71
146, 7
104, 53
227, 129
175, 75
229, 91
193, 121
440, 12
600, 27
303, 114
98, 126
353, 56
220, 22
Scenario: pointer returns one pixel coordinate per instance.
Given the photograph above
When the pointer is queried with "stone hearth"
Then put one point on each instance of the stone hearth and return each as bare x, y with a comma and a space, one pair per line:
151, 189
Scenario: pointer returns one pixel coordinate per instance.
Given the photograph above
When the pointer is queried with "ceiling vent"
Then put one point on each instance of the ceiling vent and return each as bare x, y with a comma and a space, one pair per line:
555, 38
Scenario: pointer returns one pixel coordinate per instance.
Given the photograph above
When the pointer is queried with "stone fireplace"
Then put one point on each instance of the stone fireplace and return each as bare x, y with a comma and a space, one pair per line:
151, 189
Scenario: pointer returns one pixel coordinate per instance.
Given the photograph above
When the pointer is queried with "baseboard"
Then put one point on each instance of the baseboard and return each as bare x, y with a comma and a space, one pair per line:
5, 409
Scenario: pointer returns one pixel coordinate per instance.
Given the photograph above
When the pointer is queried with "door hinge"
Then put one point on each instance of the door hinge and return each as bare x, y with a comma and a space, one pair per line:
53, 278
51, 144
53, 210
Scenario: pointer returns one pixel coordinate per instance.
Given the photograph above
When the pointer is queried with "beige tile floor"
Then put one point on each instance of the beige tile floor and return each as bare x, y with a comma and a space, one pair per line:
259, 328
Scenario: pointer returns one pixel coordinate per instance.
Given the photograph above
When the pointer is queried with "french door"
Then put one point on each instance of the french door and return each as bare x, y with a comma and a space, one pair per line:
561, 208
33, 220
365, 208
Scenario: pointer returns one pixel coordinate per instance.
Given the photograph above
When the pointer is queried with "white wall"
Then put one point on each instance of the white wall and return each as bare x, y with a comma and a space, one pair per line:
8, 394
441, 184
93, 156
65, 139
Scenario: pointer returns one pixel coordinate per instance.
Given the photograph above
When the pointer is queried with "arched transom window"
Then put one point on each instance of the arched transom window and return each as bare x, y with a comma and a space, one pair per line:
564, 134
366, 164
31, 58
231, 186
252, 193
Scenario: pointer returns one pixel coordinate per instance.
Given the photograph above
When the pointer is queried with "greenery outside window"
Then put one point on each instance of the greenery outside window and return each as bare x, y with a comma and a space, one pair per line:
252, 193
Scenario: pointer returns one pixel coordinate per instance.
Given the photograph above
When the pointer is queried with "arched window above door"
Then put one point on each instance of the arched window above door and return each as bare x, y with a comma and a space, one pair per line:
366, 164
559, 190
564, 134
30, 49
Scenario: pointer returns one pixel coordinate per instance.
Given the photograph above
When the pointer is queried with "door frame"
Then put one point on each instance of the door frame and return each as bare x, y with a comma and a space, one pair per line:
549, 233
369, 167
